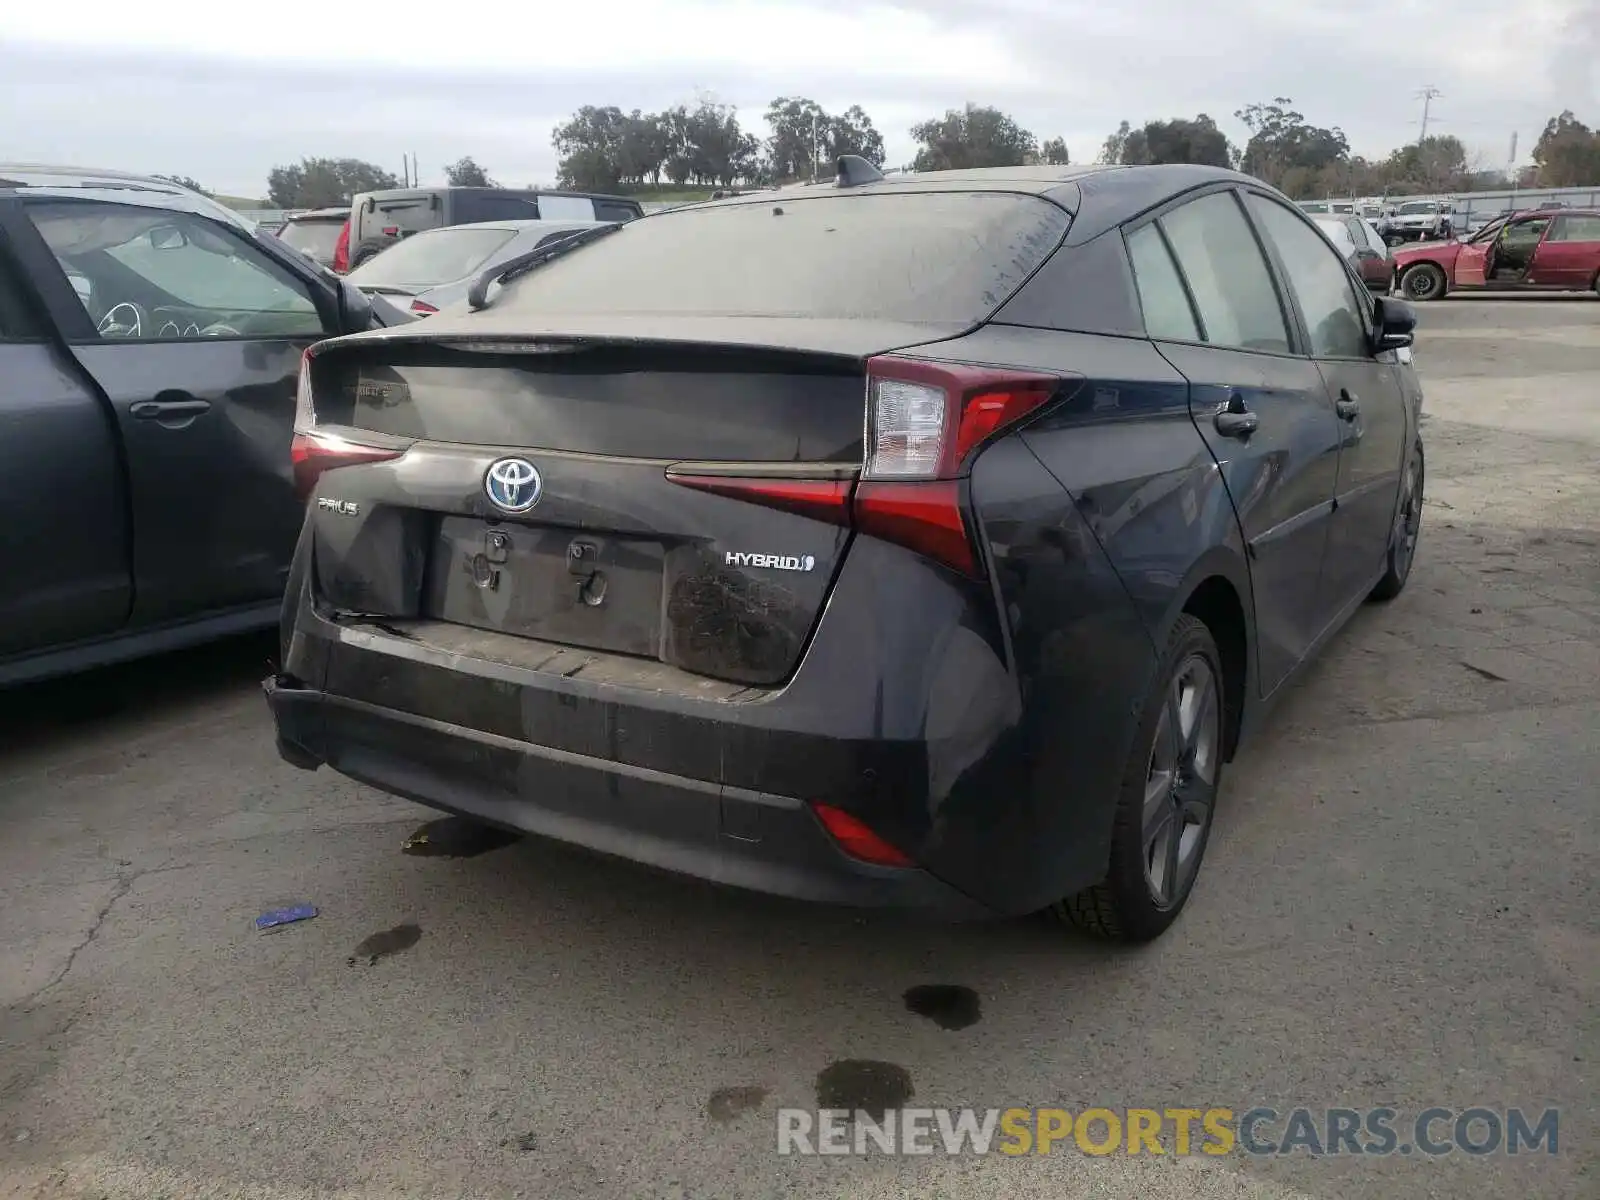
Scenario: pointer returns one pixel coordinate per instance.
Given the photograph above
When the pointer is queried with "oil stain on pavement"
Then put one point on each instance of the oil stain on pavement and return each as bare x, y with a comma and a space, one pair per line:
863, 1084
456, 837
385, 943
729, 1103
947, 1005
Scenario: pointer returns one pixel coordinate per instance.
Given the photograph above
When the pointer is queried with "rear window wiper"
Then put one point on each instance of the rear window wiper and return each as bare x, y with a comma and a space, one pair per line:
477, 294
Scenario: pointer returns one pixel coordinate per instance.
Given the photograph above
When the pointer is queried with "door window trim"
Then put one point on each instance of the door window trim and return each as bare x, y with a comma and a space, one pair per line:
77, 326
1298, 342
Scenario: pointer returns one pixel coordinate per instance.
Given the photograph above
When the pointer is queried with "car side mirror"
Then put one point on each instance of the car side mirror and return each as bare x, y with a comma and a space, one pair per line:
167, 237
1396, 323
1367, 254
355, 308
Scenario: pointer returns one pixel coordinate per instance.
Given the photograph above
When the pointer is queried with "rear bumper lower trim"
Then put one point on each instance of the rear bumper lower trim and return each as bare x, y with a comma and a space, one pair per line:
728, 835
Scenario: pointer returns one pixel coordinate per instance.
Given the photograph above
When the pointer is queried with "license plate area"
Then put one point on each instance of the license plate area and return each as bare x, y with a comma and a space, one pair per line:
547, 582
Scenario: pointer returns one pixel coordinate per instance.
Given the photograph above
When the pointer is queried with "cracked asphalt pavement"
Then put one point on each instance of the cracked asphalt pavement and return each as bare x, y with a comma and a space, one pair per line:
1398, 907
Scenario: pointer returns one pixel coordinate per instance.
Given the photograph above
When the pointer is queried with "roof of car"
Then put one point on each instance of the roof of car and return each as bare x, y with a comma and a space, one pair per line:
56, 175
118, 187
1099, 196
509, 191
337, 213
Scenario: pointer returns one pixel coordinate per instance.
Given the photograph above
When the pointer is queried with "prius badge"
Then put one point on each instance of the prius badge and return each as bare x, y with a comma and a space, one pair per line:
512, 484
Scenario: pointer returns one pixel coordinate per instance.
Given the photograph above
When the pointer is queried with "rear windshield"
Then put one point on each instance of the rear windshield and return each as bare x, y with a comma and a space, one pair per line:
917, 256
429, 259
316, 238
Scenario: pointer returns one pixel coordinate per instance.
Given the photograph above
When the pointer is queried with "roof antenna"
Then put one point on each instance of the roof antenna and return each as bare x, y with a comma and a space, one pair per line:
855, 170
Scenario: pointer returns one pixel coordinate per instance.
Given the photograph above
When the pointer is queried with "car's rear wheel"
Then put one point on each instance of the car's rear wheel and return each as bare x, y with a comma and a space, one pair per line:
1169, 791
1422, 282
1407, 529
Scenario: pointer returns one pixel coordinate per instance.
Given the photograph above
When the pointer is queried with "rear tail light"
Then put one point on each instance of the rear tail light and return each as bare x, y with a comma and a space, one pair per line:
858, 841
924, 420
313, 451
422, 308
820, 499
925, 423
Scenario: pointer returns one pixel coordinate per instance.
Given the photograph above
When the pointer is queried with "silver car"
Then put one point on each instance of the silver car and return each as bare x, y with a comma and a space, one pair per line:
432, 270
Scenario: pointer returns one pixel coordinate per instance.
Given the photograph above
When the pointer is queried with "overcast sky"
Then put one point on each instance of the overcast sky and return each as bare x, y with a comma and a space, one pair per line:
222, 92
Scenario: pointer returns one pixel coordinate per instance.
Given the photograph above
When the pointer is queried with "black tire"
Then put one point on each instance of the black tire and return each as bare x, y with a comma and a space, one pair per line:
1422, 282
1130, 905
1406, 531
1393, 240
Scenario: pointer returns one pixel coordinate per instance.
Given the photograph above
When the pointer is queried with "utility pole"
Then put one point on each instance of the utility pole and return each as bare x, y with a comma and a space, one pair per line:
1427, 95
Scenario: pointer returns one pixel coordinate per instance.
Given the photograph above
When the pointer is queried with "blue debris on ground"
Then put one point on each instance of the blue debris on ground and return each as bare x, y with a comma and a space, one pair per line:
277, 917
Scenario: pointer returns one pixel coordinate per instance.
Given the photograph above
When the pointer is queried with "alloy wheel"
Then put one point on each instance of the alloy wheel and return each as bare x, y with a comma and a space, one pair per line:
1180, 785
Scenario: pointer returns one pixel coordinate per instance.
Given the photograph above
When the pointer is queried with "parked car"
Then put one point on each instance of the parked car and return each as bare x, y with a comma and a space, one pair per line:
380, 219
318, 233
1366, 252
1545, 250
150, 341
1475, 222
1419, 220
435, 268
941, 563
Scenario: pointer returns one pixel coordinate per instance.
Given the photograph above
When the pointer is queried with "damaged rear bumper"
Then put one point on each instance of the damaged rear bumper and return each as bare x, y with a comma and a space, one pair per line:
727, 835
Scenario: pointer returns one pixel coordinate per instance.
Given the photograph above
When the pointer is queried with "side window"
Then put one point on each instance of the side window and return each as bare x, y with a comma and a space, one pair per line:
160, 275
610, 210
472, 207
1334, 317
1358, 235
1166, 305
1525, 233
1227, 276
566, 208
1580, 228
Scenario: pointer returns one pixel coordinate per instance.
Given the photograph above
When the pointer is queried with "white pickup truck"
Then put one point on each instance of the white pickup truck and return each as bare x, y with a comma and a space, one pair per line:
1420, 221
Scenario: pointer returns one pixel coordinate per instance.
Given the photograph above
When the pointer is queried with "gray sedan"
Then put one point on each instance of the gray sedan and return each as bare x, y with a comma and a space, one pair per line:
432, 270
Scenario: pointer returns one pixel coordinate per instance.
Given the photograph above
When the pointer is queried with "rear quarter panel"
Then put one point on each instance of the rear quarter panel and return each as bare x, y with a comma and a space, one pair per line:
1125, 448
1102, 518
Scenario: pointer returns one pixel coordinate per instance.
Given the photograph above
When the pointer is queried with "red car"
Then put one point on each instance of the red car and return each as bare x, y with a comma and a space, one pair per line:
1547, 250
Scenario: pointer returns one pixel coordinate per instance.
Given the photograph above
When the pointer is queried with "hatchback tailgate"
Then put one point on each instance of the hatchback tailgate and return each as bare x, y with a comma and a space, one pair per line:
641, 540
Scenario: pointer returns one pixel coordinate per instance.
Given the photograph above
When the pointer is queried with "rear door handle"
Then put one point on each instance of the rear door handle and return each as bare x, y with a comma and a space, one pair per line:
1235, 422
1347, 407
167, 410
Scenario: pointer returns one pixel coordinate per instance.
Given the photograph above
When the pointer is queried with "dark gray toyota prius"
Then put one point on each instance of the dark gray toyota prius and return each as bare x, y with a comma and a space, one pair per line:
929, 541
